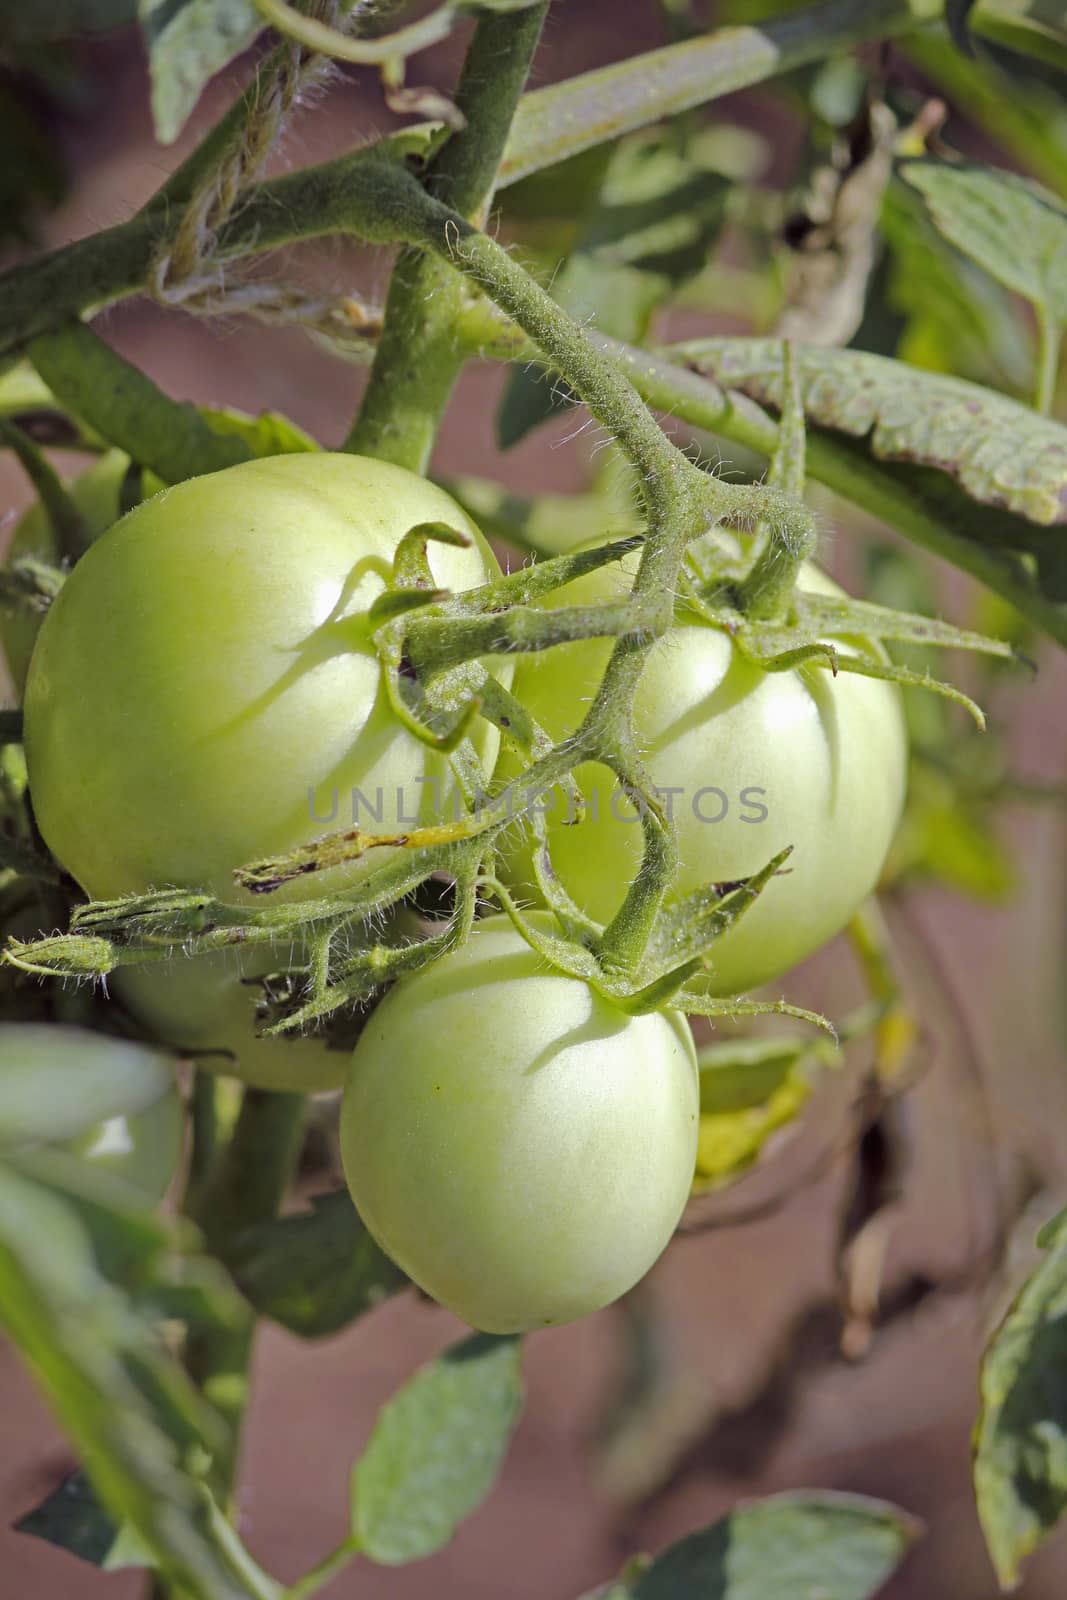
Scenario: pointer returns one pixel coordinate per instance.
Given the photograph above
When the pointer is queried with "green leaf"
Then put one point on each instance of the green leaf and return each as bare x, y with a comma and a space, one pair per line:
1000, 452
73, 1519
130, 1409
957, 319
1032, 27
816, 1546
188, 41
1020, 1462
316, 1271
436, 1449
1011, 226
268, 434
951, 838
1023, 116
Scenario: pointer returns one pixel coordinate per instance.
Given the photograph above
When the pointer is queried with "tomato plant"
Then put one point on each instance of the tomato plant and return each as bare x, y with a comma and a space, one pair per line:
447, 868
748, 761
518, 1145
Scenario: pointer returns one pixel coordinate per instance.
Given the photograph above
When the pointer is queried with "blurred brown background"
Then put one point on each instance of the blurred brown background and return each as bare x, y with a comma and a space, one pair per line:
756, 1397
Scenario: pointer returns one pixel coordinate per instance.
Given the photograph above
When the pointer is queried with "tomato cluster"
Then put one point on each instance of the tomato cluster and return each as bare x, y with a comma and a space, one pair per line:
205, 686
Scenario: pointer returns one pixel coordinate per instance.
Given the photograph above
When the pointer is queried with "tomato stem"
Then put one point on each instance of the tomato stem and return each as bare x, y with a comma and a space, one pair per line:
419, 357
246, 1185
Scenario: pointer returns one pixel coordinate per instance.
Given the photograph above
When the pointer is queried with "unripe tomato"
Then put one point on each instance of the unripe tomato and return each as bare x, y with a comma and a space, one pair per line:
204, 687
97, 493
521, 1147
204, 692
210, 1003
756, 761
111, 1101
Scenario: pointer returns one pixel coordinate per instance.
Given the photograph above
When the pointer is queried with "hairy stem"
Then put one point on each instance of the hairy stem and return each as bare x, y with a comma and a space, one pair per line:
419, 356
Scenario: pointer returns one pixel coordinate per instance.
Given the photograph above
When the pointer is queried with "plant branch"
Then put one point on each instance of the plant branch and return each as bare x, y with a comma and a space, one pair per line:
60, 509
419, 355
324, 1571
247, 1186
128, 409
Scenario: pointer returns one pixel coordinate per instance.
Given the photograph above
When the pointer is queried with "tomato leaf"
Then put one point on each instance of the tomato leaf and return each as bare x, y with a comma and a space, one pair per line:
187, 43
750, 1088
267, 434
314, 1272
835, 1546
1020, 1463
1000, 452
73, 1519
435, 1450
1011, 226
956, 318
128, 1406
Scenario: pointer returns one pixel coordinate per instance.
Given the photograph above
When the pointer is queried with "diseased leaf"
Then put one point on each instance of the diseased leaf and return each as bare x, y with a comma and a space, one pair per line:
1011, 226
435, 1450
1000, 452
187, 43
316, 1271
749, 1089
818, 1546
1020, 1461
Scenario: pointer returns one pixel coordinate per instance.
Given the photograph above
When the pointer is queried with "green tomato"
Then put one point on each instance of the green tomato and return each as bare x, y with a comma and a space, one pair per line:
204, 689
210, 1003
204, 692
520, 1147
97, 493
111, 1101
747, 761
